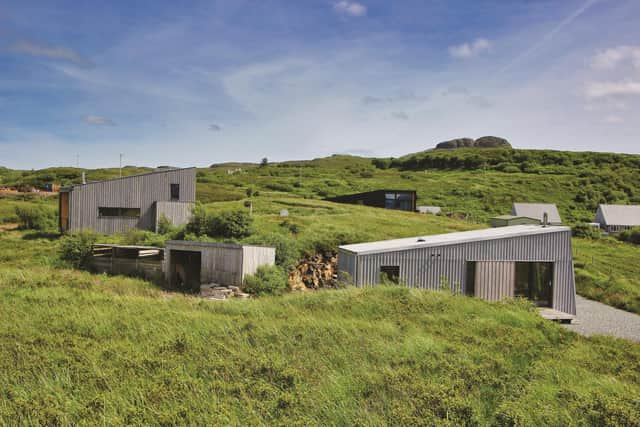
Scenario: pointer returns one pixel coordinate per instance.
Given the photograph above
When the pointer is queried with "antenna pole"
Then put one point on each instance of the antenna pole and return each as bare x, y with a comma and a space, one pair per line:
120, 165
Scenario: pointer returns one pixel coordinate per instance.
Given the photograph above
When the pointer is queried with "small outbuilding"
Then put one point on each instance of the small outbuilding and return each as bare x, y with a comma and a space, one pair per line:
538, 211
191, 264
433, 210
507, 220
531, 261
615, 218
404, 200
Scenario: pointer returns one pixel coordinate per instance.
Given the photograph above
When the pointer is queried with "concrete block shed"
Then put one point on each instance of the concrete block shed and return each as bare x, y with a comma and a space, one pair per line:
531, 261
191, 264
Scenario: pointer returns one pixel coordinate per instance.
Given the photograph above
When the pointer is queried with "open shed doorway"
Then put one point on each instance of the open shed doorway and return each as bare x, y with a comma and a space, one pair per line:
185, 270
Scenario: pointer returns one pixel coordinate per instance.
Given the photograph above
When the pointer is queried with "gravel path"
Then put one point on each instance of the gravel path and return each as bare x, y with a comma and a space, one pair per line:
595, 318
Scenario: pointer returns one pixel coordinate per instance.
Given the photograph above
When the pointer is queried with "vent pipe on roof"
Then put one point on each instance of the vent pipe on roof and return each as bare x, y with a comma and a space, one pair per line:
84, 178
545, 219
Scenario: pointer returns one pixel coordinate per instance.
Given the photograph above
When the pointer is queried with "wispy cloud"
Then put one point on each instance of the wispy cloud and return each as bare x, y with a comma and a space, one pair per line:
612, 89
471, 49
98, 121
611, 58
215, 127
550, 35
59, 53
350, 8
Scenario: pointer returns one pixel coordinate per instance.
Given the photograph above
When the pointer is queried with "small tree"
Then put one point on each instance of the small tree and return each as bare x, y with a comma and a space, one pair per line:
264, 162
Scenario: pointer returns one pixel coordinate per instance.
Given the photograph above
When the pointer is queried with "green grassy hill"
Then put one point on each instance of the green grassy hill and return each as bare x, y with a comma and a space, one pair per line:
77, 348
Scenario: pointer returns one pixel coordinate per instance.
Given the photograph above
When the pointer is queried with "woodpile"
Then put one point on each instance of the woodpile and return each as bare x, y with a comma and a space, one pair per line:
315, 272
215, 292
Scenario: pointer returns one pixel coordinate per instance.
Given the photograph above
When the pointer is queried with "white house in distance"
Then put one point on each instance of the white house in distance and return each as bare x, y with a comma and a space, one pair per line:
614, 218
537, 211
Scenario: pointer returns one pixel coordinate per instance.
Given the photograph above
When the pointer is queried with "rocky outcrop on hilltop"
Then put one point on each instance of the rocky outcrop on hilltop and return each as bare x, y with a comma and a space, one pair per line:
483, 142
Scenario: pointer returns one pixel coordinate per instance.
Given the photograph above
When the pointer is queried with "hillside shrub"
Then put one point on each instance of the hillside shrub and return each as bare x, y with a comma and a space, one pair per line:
630, 236
268, 280
288, 251
36, 217
586, 231
76, 248
165, 226
229, 224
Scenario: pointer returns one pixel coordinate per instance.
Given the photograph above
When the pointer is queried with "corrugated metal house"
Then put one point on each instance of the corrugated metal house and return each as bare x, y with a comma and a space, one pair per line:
538, 211
404, 200
121, 204
507, 220
524, 260
191, 264
614, 218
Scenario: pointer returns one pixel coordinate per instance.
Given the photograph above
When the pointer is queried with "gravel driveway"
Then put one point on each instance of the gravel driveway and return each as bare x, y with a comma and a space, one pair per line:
595, 318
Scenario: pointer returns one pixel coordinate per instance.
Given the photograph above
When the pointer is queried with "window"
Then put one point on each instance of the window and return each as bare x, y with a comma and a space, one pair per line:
119, 212
402, 201
175, 191
390, 273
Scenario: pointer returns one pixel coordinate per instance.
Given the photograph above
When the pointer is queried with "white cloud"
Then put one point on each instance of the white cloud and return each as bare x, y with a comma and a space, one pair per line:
51, 52
610, 58
612, 89
468, 50
351, 8
98, 121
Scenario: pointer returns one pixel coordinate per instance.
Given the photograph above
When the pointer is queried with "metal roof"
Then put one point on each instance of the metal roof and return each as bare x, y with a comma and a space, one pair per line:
451, 238
537, 211
512, 217
228, 245
628, 215
70, 187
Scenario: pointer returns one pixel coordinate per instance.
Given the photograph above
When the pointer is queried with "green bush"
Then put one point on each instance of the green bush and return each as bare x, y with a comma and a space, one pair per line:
36, 217
165, 226
229, 224
586, 231
288, 251
630, 236
268, 280
77, 248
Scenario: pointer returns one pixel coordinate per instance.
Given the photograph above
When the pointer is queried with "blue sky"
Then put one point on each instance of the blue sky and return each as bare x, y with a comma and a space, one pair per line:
201, 82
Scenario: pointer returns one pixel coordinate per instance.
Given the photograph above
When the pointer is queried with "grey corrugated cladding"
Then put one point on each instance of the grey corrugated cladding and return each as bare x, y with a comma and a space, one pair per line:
426, 261
618, 215
537, 211
137, 191
222, 263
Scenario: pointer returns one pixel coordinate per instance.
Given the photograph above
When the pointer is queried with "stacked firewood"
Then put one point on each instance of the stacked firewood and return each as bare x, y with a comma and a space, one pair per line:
315, 272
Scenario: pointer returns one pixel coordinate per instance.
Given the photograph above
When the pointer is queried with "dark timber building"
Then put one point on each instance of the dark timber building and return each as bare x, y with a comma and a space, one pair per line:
532, 261
121, 204
404, 200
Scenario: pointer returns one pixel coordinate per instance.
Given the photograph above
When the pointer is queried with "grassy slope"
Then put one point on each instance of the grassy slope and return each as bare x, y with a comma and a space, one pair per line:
612, 277
81, 348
